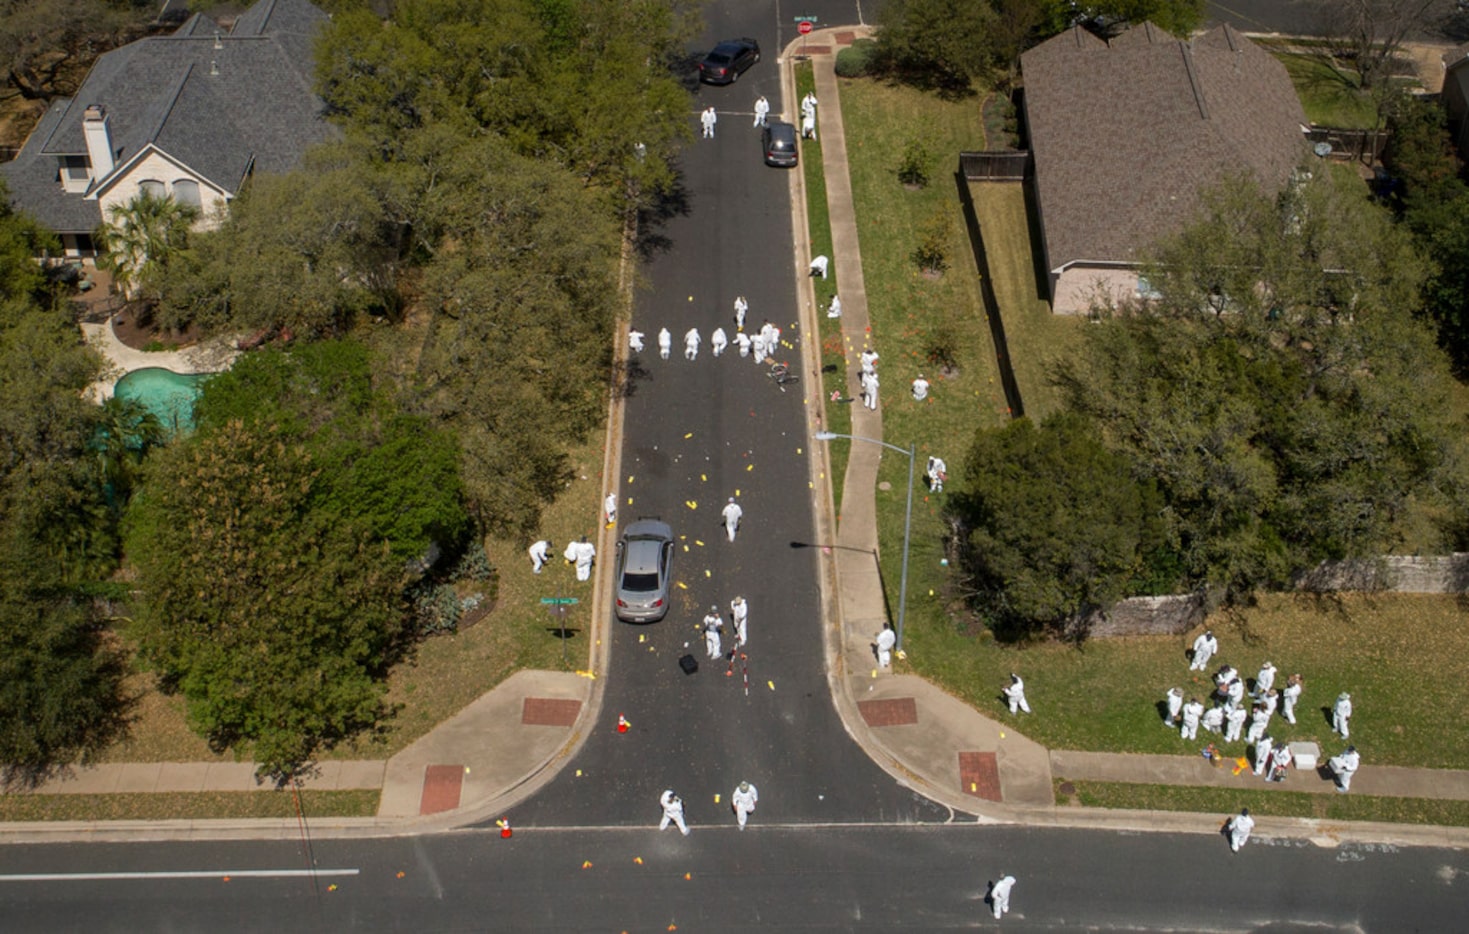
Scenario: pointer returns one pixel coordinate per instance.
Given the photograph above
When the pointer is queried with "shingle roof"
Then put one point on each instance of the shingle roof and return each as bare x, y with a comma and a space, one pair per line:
219, 104
1126, 134
34, 187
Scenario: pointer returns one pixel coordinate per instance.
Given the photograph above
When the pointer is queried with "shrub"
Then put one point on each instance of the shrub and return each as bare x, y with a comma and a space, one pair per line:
932, 253
941, 348
915, 166
856, 61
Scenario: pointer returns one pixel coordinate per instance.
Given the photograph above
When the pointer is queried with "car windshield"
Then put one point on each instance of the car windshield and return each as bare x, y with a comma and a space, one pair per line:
639, 582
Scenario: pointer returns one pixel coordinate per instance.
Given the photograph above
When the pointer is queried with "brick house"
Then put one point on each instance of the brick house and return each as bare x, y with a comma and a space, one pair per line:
1126, 134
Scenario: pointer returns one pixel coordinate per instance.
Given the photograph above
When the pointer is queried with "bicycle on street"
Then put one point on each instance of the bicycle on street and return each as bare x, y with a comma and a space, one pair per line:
781, 373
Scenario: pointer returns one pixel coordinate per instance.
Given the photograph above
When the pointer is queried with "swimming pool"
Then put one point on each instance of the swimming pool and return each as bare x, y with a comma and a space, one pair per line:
168, 395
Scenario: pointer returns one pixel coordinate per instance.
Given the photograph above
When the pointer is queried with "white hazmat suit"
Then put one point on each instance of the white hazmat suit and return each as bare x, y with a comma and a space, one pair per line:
740, 612
1204, 648
743, 801
1000, 896
1239, 829
885, 642
732, 514
539, 553
672, 812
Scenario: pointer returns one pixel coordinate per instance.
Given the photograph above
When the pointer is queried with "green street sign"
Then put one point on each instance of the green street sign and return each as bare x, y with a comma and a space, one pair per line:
805, 19
560, 601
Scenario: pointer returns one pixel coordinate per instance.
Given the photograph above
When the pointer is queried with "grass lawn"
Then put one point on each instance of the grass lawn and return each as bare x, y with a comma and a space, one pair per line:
1227, 801
1036, 338
1103, 695
448, 671
913, 315
1328, 90
833, 354
187, 805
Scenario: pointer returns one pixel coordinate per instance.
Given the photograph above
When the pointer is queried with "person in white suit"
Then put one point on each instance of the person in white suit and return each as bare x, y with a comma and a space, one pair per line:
743, 801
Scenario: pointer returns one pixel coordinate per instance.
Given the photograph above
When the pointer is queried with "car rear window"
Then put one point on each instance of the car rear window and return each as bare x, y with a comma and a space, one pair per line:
639, 582
719, 58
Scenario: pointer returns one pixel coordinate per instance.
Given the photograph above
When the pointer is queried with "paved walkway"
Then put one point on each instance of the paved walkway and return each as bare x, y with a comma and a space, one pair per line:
209, 357
502, 747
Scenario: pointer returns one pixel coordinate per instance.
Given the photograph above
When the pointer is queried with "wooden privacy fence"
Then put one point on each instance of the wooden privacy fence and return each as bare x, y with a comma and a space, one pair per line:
1002, 166
1365, 146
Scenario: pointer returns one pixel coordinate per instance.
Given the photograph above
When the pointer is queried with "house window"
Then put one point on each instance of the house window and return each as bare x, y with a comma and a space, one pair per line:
152, 187
1146, 291
76, 172
186, 191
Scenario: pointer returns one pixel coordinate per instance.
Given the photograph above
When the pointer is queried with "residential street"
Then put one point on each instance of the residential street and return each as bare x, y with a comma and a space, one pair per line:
846, 878
698, 433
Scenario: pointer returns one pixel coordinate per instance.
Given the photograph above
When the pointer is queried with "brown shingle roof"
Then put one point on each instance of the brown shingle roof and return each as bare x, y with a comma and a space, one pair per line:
1126, 134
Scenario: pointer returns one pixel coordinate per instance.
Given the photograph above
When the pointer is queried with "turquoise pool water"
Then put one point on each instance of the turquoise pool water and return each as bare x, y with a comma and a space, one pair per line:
168, 395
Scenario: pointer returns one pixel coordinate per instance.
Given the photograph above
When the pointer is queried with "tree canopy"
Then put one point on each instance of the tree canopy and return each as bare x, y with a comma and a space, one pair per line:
61, 680
1058, 527
578, 82
1277, 391
1433, 202
44, 44
277, 621
948, 44
391, 472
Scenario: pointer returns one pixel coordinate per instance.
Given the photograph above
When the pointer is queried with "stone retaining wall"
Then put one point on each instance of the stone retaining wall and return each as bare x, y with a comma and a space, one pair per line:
1149, 616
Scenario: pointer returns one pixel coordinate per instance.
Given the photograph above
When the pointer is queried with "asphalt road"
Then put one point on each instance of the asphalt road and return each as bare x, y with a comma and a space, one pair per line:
843, 878
698, 433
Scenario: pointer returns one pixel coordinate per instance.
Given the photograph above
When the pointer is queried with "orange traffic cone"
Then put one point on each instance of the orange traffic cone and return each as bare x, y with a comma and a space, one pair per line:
622, 724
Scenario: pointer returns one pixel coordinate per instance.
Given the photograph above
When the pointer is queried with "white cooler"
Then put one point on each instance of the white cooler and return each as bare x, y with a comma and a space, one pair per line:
1305, 755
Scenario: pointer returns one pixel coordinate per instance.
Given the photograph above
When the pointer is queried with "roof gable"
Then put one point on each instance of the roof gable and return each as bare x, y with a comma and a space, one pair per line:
1125, 135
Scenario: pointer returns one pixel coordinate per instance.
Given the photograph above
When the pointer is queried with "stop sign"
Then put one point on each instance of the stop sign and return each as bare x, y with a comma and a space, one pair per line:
804, 28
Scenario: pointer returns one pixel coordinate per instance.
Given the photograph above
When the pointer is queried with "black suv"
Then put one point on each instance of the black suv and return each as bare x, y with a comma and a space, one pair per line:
729, 60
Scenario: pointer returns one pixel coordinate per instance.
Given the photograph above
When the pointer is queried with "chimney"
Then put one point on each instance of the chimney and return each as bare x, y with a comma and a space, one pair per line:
99, 140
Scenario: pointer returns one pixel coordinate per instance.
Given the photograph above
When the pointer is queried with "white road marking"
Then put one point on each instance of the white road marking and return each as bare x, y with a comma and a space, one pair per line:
183, 874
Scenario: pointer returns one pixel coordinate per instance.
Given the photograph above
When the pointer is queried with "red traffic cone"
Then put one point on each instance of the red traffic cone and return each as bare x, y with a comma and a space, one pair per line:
622, 724
505, 831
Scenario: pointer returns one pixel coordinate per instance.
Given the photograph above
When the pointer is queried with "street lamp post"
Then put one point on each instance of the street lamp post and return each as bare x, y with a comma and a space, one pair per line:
907, 517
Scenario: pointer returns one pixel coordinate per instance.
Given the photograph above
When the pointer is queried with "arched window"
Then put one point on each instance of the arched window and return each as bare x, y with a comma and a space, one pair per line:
186, 191
152, 186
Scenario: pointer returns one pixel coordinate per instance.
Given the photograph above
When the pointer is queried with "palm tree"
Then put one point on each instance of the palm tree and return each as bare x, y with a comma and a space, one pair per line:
126, 432
139, 237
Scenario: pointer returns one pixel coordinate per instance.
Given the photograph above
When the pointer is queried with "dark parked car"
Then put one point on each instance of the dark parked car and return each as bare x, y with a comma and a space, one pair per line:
779, 140
728, 61
644, 568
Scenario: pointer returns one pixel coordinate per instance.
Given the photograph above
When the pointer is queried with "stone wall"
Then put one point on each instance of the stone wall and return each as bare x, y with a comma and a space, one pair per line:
1395, 573
1148, 616
1151, 616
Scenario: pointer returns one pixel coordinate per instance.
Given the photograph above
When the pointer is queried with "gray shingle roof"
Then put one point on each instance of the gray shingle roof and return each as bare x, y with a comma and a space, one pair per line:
35, 188
1126, 134
220, 104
